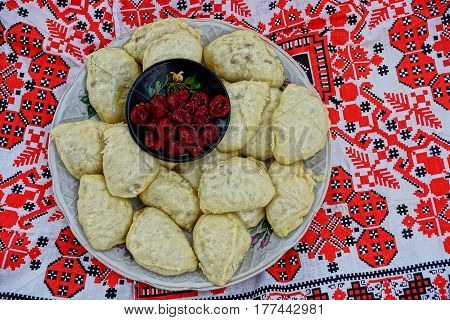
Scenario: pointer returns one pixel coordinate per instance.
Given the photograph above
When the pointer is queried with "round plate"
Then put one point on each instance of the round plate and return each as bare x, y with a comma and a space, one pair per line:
266, 247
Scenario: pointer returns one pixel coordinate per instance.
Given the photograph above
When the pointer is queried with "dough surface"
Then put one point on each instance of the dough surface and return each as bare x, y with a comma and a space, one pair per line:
192, 171
105, 219
110, 74
243, 55
247, 101
236, 184
159, 245
170, 46
80, 146
172, 194
148, 33
260, 146
299, 125
168, 165
128, 169
220, 243
295, 195
251, 218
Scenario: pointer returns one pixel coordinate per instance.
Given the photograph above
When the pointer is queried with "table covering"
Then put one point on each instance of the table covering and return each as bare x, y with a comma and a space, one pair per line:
381, 66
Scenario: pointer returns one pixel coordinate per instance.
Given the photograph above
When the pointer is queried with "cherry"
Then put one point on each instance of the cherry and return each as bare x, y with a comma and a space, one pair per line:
181, 116
166, 130
177, 99
174, 148
219, 106
151, 127
196, 150
159, 108
201, 111
139, 115
151, 141
200, 120
209, 133
187, 136
200, 97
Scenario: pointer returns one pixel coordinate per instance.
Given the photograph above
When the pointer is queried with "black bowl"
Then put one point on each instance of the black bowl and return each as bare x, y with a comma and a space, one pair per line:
154, 77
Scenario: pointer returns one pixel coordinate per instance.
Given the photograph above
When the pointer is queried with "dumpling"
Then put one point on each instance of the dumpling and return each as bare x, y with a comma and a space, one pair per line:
220, 243
178, 45
236, 184
243, 55
80, 146
159, 245
105, 218
299, 125
173, 195
247, 100
192, 171
167, 165
148, 33
251, 218
128, 169
110, 74
295, 195
260, 146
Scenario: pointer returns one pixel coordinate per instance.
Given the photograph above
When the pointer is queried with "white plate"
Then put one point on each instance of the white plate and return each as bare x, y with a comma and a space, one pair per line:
258, 258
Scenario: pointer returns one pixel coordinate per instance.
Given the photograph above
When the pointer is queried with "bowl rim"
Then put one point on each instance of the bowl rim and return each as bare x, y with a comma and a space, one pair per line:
147, 73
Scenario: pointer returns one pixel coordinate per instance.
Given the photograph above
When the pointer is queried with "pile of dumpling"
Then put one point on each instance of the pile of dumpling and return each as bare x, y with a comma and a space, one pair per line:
218, 197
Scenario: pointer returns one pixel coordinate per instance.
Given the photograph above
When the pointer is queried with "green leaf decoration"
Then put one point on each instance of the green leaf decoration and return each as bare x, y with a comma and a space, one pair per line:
151, 92
196, 86
85, 99
158, 86
190, 80
91, 111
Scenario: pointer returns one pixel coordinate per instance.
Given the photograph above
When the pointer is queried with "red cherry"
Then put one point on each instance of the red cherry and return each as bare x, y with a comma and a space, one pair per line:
219, 106
177, 99
187, 136
201, 116
196, 150
191, 106
139, 115
151, 141
181, 116
166, 130
201, 98
201, 111
200, 120
174, 148
151, 127
159, 108
209, 133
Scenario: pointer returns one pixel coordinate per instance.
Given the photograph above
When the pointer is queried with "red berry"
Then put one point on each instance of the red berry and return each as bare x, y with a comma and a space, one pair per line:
166, 130
200, 120
219, 107
151, 141
151, 127
209, 133
177, 99
201, 111
139, 115
196, 150
181, 116
201, 98
187, 136
159, 108
174, 148
201, 116
191, 106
